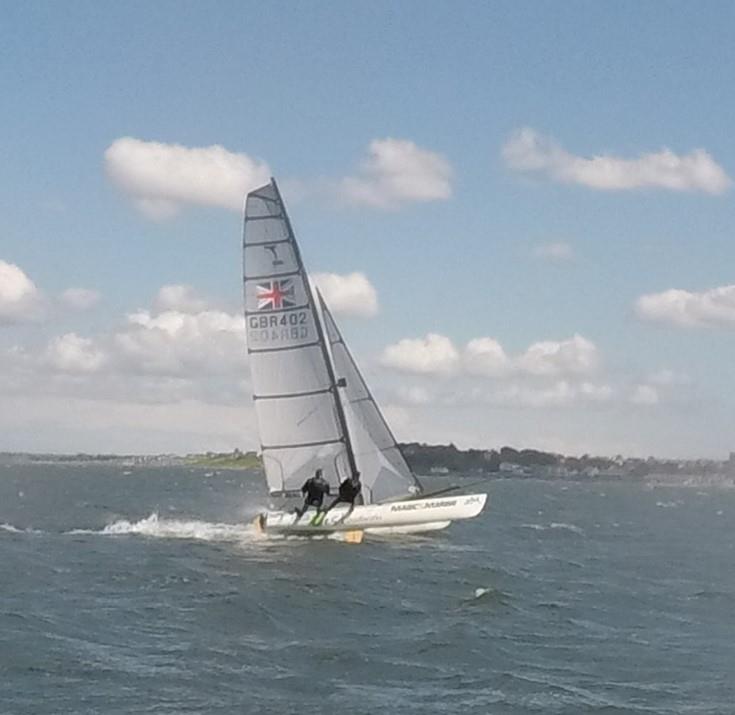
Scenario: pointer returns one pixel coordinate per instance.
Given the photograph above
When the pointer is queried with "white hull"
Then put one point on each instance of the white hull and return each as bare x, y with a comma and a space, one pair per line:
408, 528
398, 517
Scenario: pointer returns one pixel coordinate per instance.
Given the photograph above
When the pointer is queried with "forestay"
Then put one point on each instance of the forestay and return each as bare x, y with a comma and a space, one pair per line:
301, 423
384, 473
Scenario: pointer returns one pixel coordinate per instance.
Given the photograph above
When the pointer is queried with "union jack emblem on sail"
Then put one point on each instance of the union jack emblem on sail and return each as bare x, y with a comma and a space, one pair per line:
276, 295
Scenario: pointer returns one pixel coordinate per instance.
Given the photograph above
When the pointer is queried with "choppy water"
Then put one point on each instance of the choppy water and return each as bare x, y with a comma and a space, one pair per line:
146, 592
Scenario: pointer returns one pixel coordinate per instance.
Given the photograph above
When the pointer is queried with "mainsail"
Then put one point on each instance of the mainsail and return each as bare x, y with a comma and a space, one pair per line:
300, 417
384, 473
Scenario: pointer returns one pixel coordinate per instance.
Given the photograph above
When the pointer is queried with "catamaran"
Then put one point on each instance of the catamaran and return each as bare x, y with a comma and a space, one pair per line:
313, 407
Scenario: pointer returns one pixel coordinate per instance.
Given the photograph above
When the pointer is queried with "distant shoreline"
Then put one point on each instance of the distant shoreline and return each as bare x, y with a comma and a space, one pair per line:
437, 460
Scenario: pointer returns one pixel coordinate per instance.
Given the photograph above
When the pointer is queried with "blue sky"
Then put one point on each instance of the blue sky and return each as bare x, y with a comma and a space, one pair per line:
520, 173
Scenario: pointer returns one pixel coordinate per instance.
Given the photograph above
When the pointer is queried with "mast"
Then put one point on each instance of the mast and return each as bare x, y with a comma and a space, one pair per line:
342, 420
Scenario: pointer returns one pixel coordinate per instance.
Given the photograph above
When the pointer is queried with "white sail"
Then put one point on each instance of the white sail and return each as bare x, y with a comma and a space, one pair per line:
301, 422
384, 473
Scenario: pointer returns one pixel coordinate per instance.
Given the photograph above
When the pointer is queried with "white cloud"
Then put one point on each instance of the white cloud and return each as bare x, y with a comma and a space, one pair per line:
182, 337
397, 171
577, 355
398, 418
179, 297
74, 354
176, 343
190, 352
528, 151
560, 393
644, 395
486, 357
414, 395
351, 294
162, 177
432, 355
557, 251
596, 393
80, 298
20, 300
711, 308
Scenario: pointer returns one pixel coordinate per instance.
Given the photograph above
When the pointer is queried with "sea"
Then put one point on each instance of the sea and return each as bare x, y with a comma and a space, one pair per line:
146, 590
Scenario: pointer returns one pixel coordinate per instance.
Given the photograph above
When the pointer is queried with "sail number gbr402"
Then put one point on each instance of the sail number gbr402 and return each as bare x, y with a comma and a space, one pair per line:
280, 328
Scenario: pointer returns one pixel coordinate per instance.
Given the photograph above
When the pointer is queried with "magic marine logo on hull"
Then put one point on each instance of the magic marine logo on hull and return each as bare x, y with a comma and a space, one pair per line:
276, 295
413, 506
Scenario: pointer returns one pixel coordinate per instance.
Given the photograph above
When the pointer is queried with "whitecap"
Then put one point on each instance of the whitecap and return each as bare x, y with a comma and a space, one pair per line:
567, 527
15, 530
11, 528
154, 526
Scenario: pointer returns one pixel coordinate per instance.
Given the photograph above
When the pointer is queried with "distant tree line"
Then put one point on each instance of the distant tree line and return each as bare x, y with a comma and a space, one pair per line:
424, 457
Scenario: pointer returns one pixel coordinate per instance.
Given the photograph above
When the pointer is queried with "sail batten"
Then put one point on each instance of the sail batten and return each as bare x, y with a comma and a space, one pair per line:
302, 444
285, 347
270, 275
288, 395
265, 311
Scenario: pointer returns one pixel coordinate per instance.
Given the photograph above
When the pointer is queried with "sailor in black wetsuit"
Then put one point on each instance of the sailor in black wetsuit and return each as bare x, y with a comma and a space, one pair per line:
314, 490
349, 491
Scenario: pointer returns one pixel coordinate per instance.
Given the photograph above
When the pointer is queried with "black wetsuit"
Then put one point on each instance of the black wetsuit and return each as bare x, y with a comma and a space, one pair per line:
314, 490
349, 490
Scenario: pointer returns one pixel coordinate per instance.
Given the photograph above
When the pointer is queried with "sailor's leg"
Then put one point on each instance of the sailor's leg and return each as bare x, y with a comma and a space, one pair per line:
348, 512
260, 523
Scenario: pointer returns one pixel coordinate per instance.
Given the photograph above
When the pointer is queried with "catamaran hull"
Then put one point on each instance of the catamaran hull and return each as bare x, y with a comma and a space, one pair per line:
407, 528
398, 517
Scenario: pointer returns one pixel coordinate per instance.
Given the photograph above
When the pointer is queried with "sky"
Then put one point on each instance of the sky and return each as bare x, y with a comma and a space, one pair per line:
520, 213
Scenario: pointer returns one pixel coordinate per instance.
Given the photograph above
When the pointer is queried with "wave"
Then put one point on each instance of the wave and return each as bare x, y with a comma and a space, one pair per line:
555, 525
15, 530
489, 595
193, 529
10, 528
568, 527
713, 596
153, 526
156, 527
